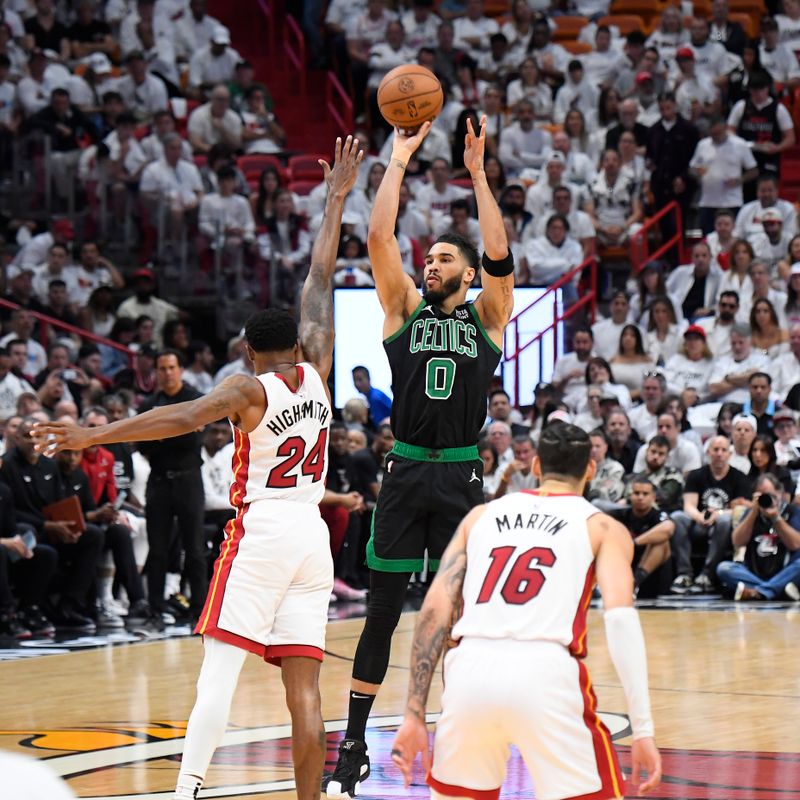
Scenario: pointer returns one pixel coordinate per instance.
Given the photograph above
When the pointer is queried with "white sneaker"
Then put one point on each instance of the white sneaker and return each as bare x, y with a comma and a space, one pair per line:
792, 592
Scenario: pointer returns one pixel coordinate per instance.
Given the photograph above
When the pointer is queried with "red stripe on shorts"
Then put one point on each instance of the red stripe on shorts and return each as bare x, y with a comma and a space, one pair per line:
222, 570
577, 647
606, 757
448, 790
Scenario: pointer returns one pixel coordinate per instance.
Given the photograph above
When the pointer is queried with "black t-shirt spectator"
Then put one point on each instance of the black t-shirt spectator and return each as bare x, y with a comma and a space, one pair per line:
695, 298
32, 305
8, 514
638, 525
366, 467
47, 121
64, 315
765, 555
33, 486
627, 456
342, 476
77, 483
94, 32
123, 464
46, 39
714, 494
181, 453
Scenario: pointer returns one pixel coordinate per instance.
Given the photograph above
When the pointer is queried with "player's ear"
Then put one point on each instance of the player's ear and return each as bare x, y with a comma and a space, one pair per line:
591, 471
251, 354
536, 468
469, 275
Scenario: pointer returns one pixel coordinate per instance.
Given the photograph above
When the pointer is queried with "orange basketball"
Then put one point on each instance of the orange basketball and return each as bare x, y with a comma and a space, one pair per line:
410, 95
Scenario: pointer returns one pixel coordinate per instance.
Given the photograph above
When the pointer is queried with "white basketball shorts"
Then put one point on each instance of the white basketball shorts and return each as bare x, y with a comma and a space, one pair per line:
272, 582
535, 696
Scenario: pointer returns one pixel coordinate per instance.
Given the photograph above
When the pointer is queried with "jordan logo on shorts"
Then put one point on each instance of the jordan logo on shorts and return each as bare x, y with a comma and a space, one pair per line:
474, 477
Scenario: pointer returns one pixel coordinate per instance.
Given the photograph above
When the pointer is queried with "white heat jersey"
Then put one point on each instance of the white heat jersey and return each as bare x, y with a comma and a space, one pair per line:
286, 456
530, 571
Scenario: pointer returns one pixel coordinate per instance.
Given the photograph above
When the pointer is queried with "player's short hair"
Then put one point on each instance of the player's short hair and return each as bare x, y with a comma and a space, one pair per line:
564, 450
271, 330
465, 248
642, 479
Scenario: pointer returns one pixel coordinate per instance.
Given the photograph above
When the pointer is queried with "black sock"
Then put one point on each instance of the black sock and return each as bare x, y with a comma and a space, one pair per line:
358, 714
640, 576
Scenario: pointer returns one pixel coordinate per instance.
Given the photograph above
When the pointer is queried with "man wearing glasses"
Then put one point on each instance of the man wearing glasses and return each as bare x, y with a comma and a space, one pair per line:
718, 329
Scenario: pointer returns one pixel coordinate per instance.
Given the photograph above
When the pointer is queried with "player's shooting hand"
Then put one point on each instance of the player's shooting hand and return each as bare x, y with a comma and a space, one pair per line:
347, 159
411, 738
405, 143
645, 757
474, 146
52, 437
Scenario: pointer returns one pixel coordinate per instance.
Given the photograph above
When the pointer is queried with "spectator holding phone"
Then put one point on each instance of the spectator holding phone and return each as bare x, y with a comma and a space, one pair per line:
770, 533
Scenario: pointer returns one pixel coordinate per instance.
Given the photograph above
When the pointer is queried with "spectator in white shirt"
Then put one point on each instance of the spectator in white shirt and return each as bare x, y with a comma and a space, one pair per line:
522, 145
776, 58
142, 92
607, 331
217, 474
472, 31
213, 64
549, 257
145, 303
21, 328
551, 58
173, 184
225, 217
569, 373
579, 169
539, 198
723, 163
215, 123
57, 267
711, 58
603, 63
200, 363
580, 223
194, 30
128, 37
748, 220
697, 97
616, 206
772, 244
153, 144
785, 369
11, 387
125, 163
578, 91
261, 133
33, 91
529, 86
433, 199
730, 376
460, 222
420, 24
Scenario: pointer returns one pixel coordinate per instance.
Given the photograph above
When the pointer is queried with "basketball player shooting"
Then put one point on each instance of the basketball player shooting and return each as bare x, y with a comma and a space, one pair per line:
442, 352
272, 581
524, 567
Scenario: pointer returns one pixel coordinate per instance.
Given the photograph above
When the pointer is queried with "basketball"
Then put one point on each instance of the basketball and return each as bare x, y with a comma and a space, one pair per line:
408, 96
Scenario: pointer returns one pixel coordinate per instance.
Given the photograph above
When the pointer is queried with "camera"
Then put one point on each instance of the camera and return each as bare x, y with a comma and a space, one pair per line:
765, 500
68, 374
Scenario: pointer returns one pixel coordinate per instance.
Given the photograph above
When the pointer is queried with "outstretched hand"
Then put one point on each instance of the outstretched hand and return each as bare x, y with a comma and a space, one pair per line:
347, 159
474, 146
645, 758
406, 144
52, 437
411, 739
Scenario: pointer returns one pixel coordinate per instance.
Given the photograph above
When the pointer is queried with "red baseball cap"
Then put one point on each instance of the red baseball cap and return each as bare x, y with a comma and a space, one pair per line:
685, 52
695, 330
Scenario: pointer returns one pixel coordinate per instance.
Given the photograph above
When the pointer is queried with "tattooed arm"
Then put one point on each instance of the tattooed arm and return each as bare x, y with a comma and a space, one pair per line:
430, 636
316, 307
233, 396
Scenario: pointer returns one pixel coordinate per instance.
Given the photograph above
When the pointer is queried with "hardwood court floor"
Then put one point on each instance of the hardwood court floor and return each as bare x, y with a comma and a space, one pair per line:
725, 687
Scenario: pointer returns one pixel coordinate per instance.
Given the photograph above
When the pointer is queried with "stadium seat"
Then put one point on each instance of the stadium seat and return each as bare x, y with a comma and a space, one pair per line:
303, 188
625, 22
755, 8
306, 168
568, 27
748, 21
577, 48
258, 162
645, 9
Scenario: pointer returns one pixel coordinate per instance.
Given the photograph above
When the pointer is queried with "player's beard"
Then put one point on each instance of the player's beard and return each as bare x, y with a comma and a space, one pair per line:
436, 297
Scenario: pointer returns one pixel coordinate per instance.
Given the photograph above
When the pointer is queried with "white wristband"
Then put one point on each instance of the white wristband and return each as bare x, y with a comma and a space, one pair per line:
626, 646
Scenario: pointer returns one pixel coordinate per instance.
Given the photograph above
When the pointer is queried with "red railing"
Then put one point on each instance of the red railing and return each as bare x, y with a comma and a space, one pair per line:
640, 241
269, 16
64, 326
339, 104
294, 47
588, 298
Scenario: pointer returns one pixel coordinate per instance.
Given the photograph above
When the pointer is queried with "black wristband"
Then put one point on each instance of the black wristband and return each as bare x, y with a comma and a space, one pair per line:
501, 268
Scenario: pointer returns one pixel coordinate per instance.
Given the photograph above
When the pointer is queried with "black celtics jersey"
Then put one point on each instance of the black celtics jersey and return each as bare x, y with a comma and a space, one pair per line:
441, 368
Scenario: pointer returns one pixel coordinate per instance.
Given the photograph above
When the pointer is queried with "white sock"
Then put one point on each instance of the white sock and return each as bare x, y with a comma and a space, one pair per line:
219, 674
104, 584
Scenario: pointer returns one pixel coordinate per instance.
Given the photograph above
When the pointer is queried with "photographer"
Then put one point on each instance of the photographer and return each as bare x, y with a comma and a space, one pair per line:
770, 534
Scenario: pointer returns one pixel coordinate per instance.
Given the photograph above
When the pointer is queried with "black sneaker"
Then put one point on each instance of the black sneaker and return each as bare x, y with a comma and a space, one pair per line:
150, 625
178, 605
352, 769
68, 618
138, 613
12, 628
34, 619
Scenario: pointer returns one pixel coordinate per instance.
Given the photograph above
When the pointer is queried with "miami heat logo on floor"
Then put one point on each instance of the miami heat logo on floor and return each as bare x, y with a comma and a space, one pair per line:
98, 762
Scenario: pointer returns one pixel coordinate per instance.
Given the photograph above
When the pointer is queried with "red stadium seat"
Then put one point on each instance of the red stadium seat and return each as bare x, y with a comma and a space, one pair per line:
303, 187
306, 168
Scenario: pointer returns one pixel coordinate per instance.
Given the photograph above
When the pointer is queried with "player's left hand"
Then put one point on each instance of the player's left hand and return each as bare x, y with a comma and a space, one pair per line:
411, 738
474, 147
645, 756
346, 161
52, 437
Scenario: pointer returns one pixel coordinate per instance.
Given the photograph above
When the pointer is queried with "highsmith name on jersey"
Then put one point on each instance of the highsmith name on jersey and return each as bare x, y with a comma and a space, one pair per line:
286, 456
